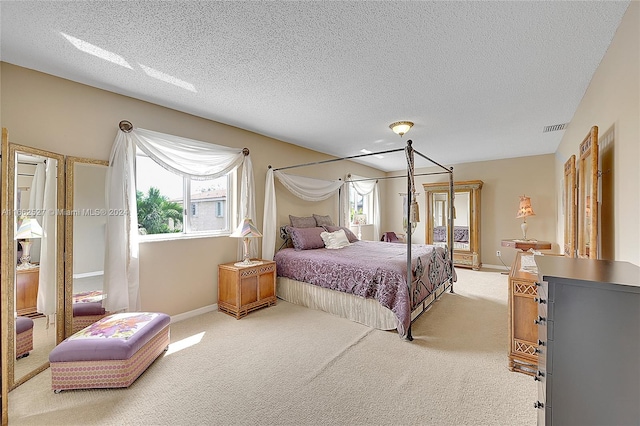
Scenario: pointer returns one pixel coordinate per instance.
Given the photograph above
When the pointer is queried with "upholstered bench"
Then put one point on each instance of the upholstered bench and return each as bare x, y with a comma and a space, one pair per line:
24, 336
110, 353
87, 309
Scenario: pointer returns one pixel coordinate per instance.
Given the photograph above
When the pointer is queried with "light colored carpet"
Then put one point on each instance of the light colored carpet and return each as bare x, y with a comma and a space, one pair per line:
291, 365
44, 340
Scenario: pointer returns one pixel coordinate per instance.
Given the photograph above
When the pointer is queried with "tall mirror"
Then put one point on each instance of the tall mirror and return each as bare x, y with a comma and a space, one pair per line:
84, 241
466, 220
569, 204
35, 245
588, 196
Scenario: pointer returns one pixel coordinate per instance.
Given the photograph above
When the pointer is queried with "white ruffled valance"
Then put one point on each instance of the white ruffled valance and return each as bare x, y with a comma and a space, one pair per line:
308, 189
186, 157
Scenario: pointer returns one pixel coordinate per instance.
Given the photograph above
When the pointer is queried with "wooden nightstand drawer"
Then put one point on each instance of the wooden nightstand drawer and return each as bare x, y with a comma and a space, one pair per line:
242, 289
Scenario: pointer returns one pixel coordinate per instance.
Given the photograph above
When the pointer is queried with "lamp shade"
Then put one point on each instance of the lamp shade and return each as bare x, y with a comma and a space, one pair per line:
29, 228
246, 230
525, 208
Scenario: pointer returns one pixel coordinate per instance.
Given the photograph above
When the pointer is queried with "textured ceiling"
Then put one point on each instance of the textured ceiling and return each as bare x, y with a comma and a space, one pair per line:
480, 79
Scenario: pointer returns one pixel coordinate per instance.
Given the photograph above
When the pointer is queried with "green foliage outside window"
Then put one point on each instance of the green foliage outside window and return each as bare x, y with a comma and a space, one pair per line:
156, 214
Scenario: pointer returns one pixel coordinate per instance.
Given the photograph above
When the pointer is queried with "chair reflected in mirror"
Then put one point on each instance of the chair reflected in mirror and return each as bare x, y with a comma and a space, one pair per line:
390, 237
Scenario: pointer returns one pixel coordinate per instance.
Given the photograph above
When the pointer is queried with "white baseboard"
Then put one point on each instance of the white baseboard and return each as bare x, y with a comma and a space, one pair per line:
194, 313
498, 267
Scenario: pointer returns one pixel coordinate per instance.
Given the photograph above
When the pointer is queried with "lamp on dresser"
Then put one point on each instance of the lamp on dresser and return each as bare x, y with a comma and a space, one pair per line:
524, 210
28, 229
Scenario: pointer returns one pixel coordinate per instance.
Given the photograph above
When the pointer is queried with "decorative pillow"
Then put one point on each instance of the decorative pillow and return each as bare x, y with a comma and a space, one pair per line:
350, 235
302, 222
323, 220
306, 238
335, 240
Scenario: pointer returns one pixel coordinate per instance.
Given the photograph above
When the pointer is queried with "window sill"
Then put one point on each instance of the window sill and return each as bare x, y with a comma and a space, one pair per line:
143, 239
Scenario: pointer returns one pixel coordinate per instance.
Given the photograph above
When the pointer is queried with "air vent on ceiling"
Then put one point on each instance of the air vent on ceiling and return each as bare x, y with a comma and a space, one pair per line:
554, 128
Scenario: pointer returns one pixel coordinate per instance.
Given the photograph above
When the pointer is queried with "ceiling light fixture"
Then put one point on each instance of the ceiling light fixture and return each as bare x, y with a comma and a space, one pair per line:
401, 127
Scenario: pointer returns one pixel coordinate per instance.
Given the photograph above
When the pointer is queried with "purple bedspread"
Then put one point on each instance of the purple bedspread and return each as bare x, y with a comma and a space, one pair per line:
371, 269
460, 234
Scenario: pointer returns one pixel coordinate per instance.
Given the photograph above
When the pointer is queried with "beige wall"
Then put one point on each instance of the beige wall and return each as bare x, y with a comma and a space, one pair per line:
503, 182
64, 117
68, 118
612, 102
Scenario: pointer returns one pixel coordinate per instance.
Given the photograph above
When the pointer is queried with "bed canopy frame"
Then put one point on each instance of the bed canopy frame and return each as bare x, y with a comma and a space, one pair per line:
410, 153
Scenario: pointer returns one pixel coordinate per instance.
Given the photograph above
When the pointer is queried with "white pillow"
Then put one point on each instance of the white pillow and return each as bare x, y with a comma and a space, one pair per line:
335, 240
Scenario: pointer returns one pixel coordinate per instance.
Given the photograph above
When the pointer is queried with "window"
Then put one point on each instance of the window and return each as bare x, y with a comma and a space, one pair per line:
171, 204
360, 205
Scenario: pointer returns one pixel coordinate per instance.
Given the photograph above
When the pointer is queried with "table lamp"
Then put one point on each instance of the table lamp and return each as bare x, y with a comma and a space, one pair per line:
29, 228
524, 210
246, 231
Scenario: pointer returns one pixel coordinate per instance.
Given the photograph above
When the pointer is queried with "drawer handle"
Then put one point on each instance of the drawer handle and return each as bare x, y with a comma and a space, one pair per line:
538, 404
537, 351
541, 343
540, 373
540, 301
537, 379
540, 320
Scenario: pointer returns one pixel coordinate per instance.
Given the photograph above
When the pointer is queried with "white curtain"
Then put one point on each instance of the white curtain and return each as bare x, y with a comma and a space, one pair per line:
366, 187
36, 191
36, 205
308, 189
121, 279
187, 157
46, 299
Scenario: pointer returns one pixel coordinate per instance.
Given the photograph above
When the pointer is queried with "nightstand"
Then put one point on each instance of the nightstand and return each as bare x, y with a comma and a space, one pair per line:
27, 290
242, 289
525, 245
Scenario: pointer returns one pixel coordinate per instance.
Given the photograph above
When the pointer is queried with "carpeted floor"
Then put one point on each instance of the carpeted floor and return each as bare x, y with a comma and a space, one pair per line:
291, 365
44, 340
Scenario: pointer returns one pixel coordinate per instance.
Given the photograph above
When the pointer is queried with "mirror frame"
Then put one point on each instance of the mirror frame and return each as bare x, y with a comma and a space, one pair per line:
462, 258
10, 254
588, 199
4, 262
569, 204
70, 162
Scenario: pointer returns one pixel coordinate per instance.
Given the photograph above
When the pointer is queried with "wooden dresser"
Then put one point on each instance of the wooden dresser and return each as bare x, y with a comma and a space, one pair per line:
27, 290
242, 289
589, 331
523, 309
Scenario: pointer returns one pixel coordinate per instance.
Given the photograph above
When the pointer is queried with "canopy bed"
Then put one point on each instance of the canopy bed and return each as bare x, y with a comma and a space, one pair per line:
365, 281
